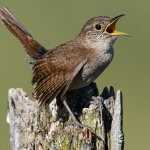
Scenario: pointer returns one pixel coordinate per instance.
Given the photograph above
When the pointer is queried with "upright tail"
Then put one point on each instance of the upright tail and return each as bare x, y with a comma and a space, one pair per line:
34, 49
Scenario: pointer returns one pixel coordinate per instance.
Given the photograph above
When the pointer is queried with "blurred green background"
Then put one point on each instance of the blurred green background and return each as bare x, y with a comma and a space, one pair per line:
52, 22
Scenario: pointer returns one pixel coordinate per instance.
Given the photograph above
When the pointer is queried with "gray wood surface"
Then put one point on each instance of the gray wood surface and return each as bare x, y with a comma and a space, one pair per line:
51, 128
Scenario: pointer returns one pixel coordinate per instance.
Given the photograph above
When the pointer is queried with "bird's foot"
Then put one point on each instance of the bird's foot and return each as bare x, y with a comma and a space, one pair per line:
86, 130
79, 125
97, 98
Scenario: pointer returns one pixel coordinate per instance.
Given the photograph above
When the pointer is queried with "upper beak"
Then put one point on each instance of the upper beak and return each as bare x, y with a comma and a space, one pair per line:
110, 28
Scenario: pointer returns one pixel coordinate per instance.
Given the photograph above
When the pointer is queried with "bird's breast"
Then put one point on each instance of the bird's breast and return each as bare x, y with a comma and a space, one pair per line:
95, 65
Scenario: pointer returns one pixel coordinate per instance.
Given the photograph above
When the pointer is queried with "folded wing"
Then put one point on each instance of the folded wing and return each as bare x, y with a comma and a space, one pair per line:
54, 73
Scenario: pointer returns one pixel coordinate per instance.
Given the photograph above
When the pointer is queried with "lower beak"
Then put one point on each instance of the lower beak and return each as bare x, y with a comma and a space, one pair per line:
110, 28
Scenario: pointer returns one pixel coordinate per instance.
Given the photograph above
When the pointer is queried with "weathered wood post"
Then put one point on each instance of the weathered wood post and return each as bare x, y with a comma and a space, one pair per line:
51, 128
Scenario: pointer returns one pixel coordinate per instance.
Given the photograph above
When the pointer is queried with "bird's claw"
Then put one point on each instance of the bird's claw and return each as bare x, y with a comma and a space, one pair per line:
85, 129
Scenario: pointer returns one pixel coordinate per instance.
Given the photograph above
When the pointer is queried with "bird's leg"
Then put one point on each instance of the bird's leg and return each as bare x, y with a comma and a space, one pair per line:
77, 123
71, 114
87, 130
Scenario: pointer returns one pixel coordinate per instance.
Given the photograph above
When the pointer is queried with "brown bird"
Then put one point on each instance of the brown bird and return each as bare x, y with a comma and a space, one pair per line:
69, 66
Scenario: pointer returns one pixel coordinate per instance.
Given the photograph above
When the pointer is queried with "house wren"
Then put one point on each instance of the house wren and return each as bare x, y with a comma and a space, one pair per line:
69, 66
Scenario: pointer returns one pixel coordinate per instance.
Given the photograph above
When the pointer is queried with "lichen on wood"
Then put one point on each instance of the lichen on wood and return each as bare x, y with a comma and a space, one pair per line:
50, 127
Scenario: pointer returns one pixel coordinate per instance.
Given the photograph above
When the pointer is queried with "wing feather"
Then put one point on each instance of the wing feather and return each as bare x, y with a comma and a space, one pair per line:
51, 84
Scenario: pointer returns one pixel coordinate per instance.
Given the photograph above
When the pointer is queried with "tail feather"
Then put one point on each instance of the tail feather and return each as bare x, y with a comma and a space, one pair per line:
34, 49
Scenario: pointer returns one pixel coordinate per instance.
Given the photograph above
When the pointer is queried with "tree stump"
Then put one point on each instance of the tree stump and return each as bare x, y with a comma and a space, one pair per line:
50, 127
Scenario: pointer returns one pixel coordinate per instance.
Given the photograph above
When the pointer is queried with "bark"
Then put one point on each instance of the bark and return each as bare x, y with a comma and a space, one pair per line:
50, 127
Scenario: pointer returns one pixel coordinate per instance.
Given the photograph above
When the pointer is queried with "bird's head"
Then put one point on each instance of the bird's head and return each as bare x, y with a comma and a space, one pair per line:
101, 28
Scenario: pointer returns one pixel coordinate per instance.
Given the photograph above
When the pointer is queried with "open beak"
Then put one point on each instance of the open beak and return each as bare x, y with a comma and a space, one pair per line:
110, 28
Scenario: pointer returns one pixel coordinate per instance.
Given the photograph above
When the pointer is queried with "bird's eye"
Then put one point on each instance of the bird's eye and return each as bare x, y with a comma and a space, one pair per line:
98, 26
